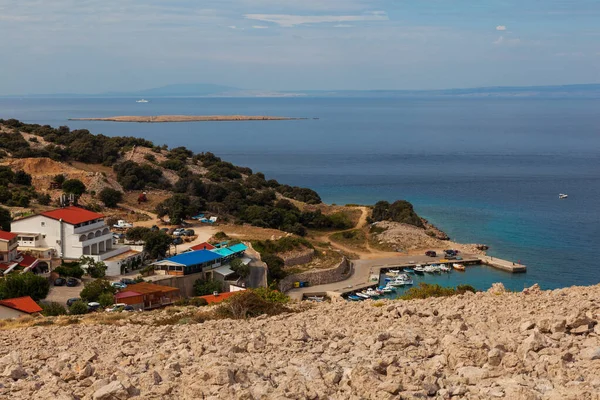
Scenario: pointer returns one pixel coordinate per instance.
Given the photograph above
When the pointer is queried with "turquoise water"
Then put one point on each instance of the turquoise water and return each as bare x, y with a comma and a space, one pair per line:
484, 170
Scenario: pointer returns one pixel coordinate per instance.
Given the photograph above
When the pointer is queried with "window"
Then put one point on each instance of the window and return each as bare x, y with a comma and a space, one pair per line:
43, 223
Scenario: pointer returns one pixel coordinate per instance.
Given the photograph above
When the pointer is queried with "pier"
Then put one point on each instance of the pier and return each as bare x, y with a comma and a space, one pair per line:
366, 272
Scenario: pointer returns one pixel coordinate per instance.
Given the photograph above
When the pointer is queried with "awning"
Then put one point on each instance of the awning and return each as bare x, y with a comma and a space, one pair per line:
224, 270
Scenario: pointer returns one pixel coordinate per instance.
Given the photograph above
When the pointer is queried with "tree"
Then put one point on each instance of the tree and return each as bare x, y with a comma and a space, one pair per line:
275, 266
59, 180
78, 308
70, 270
137, 233
106, 299
44, 199
92, 290
73, 186
27, 284
95, 269
157, 244
22, 178
237, 266
5, 219
110, 197
202, 287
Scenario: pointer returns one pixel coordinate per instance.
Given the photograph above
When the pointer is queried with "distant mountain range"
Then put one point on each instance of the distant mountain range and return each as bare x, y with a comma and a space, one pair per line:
211, 90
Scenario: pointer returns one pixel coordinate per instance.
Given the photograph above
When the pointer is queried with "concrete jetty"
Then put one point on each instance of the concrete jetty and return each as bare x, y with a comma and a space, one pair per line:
503, 264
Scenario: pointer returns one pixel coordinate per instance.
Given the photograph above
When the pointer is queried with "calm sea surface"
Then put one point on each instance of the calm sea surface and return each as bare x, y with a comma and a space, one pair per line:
484, 170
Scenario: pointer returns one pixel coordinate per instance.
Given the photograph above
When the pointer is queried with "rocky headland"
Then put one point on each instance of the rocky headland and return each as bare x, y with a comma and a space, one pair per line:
186, 118
530, 345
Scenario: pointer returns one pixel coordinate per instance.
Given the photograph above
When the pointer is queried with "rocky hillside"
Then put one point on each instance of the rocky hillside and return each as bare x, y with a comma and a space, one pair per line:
531, 345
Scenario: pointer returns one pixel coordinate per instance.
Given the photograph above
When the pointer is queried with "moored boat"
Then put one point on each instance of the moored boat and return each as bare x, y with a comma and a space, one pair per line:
362, 295
409, 270
419, 270
353, 297
445, 268
458, 267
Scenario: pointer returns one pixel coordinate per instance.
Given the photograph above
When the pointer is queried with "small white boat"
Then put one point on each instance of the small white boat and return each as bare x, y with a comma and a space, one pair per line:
419, 270
362, 295
429, 269
386, 289
445, 268
394, 271
318, 299
372, 293
141, 101
563, 196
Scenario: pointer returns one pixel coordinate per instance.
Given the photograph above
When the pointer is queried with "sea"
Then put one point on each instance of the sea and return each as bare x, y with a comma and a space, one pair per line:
484, 170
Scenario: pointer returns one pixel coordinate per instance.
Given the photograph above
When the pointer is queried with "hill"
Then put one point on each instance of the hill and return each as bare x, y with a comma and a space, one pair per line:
530, 345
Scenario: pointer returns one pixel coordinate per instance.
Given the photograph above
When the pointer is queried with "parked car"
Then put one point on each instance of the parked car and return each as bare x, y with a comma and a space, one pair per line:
179, 232
128, 308
189, 232
177, 240
72, 300
431, 253
127, 281
154, 228
60, 282
116, 307
118, 236
72, 282
118, 285
93, 306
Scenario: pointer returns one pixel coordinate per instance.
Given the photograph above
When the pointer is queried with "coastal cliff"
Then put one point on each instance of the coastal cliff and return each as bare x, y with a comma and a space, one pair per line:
530, 345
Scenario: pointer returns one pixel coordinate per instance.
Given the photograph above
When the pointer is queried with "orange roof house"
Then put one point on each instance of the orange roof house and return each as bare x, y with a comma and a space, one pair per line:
212, 299
73, 215
12, 308
7, 236
146, 295
202, 246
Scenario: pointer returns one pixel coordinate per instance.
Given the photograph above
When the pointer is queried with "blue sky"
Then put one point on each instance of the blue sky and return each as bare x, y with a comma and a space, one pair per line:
89, 46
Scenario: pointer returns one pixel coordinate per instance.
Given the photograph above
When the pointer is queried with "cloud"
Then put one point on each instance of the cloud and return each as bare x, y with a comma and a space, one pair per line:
501, 28
290, 20
260, 27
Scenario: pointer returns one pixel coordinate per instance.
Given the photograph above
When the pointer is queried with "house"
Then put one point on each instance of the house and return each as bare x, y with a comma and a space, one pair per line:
202, 246
10, 258
8, 246
146, 296
188, 263
71, 232
231, 252
14, 308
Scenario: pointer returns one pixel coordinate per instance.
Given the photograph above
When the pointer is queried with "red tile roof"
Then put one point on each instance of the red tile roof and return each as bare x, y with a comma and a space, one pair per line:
211, 298
73, 215
25, 304
6, 236
203, 246
27, 260
127, 293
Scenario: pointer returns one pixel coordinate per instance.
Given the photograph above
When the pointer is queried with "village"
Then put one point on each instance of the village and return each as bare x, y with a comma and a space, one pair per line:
41, 243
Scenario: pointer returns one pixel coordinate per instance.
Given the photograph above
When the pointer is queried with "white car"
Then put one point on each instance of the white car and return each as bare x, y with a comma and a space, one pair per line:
116, 307
178, 232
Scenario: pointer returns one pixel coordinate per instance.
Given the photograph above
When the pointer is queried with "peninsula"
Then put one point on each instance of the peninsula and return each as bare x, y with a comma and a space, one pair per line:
186, 118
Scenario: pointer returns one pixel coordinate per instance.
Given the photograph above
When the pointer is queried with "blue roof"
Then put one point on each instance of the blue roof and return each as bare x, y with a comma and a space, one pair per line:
195, 257
238, 248
224, 252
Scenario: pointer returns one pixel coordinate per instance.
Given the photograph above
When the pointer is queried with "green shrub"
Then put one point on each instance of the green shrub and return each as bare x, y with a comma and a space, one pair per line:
73, 186
110, 197
70, 270
426, 290
53, 309
78, 308
248, 304
27, 284
399, 211
272, 296
106, 299
198, 302
94, 289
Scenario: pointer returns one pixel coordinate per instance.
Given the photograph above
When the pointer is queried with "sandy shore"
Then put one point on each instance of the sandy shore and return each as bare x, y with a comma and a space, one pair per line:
186, 118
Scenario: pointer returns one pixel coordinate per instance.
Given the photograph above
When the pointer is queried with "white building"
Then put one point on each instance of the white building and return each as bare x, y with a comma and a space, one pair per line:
72, 232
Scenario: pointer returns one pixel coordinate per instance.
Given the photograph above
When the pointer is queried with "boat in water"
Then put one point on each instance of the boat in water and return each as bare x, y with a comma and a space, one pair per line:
419, 270
353, 297
563, 196
141, 101
371, 293
458, 267
317, 299
445, 268
410, 270
362, 295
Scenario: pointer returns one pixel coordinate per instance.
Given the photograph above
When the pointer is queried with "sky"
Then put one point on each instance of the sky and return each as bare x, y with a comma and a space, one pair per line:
95, 46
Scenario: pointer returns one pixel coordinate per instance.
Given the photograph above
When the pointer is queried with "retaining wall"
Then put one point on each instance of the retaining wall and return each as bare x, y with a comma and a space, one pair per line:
318, 277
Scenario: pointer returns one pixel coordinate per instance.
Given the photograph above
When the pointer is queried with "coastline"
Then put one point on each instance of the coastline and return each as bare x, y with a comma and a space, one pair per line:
188, 118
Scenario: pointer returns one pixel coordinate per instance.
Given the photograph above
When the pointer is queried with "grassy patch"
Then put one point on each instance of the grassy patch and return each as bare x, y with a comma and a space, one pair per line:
353, 238
426, 290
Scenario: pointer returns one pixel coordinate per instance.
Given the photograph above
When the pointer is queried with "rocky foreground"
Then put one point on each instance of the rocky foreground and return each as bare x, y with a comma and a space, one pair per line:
532, 345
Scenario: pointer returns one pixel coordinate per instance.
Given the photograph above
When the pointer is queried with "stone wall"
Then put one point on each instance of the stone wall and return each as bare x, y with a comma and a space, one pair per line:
318, 277
298, 257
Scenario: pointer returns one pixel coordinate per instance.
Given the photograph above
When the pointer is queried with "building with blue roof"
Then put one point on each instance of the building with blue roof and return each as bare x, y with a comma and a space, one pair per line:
230, 252
189, 263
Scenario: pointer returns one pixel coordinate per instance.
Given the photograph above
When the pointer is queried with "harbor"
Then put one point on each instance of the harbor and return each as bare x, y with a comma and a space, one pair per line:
368, 274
